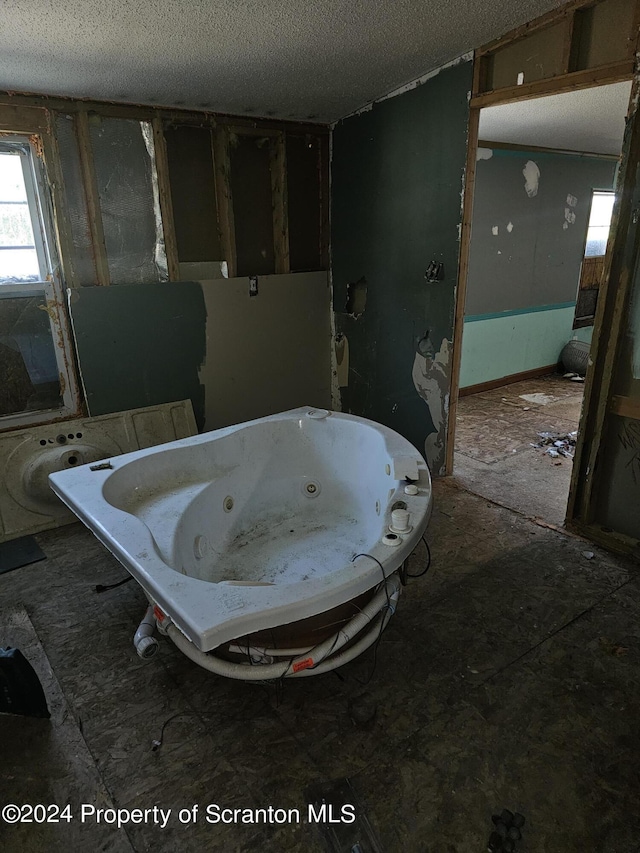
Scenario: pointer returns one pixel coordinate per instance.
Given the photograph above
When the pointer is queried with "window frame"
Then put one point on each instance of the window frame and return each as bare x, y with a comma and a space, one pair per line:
50, 286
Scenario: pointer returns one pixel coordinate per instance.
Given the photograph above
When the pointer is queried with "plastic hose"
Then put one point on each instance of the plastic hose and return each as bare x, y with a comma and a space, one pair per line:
313, 662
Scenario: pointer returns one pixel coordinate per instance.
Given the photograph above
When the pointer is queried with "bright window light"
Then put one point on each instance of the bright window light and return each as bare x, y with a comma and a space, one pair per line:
18, 255
599, 224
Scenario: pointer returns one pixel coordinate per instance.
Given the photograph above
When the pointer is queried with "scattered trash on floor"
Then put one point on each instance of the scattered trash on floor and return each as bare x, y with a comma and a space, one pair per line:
557, 444
588, 555
507, 830
539, 399
574, 377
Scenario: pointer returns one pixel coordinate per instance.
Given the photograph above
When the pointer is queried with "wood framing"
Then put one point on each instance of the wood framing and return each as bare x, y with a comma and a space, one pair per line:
22, 119
60, 213
92, 197
626, 407
613, 73
461, 290
573, 48
279, 198
622, 252
24, 103
164, 193
224, 199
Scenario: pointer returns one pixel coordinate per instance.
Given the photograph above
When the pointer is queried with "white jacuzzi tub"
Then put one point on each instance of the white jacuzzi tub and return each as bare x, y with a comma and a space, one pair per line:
258, 525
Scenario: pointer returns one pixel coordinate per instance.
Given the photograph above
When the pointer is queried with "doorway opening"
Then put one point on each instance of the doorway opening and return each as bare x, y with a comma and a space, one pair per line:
545, 177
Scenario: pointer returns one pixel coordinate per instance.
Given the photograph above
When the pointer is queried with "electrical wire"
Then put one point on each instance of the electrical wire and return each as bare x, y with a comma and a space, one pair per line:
100, 587
426, 568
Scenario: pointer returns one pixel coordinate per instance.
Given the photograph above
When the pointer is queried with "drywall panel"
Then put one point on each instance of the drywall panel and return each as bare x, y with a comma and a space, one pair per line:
268, 352
530, 216
140, 345
397, 177
28, 456
493, 347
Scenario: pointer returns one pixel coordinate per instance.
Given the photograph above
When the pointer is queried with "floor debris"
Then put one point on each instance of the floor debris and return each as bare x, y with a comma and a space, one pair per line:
557, 444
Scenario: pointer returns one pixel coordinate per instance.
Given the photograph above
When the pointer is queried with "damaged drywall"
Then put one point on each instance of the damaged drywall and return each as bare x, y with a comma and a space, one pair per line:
356, 298
397, 175
531, 174
432, 380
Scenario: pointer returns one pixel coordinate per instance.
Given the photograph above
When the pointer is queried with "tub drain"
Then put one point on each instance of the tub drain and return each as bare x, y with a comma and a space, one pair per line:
228, 503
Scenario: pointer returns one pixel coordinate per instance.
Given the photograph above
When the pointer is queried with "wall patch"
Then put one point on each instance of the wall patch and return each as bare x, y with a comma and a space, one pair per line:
531, 174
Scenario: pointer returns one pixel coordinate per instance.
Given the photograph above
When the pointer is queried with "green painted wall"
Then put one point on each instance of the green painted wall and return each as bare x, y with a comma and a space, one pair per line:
525, 259
397, 173
140, 344
498, 346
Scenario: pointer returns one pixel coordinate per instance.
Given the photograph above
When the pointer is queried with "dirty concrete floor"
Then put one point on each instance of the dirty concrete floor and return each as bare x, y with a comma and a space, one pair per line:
493, 453
509, 678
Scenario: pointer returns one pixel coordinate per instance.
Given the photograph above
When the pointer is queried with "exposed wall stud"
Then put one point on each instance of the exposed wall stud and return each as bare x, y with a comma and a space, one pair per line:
222, 169
279, 197
166, 206
93, 198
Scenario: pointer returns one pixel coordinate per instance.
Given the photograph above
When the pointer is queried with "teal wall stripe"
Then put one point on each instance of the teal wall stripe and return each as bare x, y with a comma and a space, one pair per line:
472, 318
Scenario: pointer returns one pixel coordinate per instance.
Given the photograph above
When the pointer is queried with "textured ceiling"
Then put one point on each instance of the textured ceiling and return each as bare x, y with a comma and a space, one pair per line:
315, 61
587, 120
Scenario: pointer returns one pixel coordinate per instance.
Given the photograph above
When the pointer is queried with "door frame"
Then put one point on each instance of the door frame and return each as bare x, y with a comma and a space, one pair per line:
611, 300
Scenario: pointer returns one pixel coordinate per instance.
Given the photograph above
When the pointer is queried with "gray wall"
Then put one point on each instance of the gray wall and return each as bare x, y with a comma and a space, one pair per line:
234, 355
538, 261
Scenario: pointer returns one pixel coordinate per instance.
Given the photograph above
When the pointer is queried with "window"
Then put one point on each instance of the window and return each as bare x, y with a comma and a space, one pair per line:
23, 255
35, 353
599, 224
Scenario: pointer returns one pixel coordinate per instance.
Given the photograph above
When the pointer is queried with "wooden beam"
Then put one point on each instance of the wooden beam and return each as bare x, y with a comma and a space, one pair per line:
224, 199
92, 197
461, 289
21, 119
613, 73
279, 199
626, 407
143, 112
569, 47
622, 251
548, 20
166, 205
51, 153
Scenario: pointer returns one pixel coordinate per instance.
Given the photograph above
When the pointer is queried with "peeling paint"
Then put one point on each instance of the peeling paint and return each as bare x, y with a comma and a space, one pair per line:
531, 174
431, 376
494, 230
484, 154
510, 227
571, 200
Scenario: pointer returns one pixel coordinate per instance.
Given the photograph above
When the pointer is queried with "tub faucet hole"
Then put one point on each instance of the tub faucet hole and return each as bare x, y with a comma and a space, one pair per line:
72, 460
